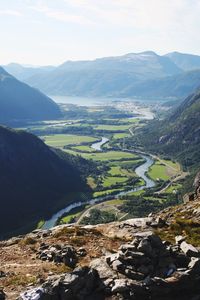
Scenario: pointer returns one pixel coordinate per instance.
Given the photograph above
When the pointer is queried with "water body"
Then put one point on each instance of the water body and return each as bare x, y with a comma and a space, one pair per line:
82, 101
98, 101
140, 171
97, 146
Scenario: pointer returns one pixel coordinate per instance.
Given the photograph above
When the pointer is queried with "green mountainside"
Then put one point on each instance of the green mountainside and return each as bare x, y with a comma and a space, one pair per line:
178, 136
35, 180
179, 85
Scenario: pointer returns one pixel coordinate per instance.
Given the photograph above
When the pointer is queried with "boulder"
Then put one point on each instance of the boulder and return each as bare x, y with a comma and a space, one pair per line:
81, 284
120, 286
194, 265
34, 294
117, 266
179, 239
189, 250
59, 254
145, 247
105, 272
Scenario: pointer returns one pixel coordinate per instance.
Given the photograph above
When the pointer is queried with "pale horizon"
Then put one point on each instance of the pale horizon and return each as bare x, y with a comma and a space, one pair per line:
43, 32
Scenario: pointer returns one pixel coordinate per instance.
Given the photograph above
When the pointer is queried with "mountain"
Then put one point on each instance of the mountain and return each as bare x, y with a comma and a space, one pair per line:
105, 76
20, 102
177, 136
186, 62
179, 85
143, 74
35, 180
23, 72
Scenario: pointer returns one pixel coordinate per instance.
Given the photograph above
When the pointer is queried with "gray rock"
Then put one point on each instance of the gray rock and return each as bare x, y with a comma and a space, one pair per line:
143, 234
137, 255
128, 247
189, 250
111, 258
35, 294
145, 247
117, 266
120, 286
105, 272
58, 254
194, 265
179, 239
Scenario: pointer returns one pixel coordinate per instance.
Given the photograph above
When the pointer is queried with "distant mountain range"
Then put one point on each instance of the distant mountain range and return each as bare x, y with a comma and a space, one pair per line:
35, 180
24, 72
143, 74
20, 102
186, 62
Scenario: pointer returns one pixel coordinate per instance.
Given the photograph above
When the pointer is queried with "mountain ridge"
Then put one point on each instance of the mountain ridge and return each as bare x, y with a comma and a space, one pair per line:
35, 179
101, 76
20, 102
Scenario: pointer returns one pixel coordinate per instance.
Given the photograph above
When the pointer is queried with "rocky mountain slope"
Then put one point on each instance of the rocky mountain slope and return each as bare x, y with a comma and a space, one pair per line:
35, 180
20, 102
146, 258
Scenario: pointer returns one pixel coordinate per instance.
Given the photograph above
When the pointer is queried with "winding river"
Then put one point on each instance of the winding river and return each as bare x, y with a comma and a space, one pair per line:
140, 171
97, 146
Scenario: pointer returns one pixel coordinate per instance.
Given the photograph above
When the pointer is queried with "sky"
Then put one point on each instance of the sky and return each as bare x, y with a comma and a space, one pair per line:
49, 32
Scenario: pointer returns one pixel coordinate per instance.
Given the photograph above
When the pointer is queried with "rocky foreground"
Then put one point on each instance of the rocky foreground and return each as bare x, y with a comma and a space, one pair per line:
125, 260
155, 258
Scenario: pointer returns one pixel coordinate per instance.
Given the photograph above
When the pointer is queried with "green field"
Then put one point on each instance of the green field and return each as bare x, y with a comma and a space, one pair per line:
83, 148
107, 192
129, 163
117, 170
111, 181
158, 171
116, 128
114, 202
118, 136
172, 164
129, 120
110, 156
106, 156
137, 193
173, 188
61, 140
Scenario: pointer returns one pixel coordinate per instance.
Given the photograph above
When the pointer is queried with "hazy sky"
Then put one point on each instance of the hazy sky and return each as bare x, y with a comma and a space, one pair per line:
52, 31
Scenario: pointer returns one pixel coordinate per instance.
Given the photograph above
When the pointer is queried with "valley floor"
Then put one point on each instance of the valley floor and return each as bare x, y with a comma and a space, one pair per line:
115, 177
